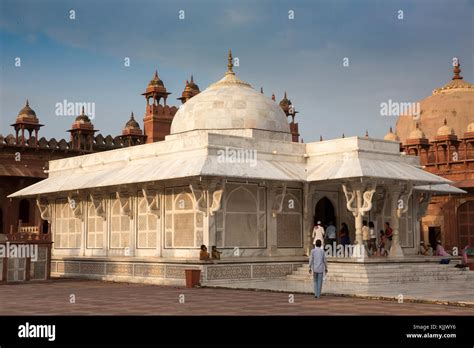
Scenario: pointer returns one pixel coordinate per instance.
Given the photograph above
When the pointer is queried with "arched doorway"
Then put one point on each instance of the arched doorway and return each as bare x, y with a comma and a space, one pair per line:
325, 212
466, 224
24, 211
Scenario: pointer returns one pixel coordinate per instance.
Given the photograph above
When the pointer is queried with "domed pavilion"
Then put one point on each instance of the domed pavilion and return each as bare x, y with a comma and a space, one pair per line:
228, 175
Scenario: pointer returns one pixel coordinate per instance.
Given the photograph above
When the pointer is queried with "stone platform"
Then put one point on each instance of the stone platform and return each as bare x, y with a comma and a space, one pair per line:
172, 271
411, 279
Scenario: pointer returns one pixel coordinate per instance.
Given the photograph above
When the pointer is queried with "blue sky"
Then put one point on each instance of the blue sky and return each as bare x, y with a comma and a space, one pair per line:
82, 60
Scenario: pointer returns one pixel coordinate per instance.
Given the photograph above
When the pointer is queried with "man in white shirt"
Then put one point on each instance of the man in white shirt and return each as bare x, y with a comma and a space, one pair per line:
331, 233
318, 266
318, 233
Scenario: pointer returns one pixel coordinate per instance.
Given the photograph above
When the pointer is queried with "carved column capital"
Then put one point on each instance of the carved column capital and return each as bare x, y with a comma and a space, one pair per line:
45, 208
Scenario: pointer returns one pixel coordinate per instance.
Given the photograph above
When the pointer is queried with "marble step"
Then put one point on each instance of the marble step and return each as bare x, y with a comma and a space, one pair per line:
398, 276
398, 271
381, 281
379, 275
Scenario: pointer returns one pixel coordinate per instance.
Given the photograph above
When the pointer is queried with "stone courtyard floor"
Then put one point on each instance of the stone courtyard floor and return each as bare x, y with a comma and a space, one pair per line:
107, 298
449, 292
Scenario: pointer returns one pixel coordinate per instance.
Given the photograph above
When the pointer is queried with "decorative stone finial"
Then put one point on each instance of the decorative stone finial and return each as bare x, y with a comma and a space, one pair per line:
457, 71
261, 90
366, 133
273, 97
230, 63
320, 138
343, 135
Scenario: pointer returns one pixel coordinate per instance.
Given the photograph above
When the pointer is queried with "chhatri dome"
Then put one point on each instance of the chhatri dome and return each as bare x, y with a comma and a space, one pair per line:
132, 124
445, 129
417, 133
391, 136
230, 104
83, 118
27, 114
470, 128
453, 102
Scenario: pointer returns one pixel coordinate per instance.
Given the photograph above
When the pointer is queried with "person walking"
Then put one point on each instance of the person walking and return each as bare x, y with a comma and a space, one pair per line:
318, 266
318, 233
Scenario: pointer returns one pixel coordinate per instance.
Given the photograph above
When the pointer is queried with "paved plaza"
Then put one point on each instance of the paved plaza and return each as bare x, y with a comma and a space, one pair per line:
452, 292
108, 298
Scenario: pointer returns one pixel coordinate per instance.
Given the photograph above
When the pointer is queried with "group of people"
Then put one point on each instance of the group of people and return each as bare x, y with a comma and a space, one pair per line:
205, 256
369, 237
427, 250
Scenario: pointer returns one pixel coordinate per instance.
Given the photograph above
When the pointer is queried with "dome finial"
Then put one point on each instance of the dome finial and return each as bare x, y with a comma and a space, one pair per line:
82, 110
445, 121
132, 116
230, 63
155, 77
27, 102
366, 133
320, 138
343, 135
192, 79
261, 90
457, 70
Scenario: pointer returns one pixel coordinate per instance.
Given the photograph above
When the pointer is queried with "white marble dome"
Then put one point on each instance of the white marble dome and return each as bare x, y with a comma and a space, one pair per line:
230, 104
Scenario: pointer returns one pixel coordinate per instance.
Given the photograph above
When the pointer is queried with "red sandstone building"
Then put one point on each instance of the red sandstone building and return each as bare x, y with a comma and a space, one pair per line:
24, 156
442, 135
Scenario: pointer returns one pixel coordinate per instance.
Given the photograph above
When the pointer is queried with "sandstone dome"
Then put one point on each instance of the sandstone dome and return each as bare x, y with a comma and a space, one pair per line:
445, 130
453, 102
417, 133
470, 128
391, 136
27, 114
230, 104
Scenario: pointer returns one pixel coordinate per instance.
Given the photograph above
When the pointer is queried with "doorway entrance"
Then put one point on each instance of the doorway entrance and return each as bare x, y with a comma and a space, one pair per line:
325, 212
434, 234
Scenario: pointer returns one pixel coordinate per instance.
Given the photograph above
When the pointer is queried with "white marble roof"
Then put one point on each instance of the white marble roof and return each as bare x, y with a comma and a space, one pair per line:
197, 154
440, 189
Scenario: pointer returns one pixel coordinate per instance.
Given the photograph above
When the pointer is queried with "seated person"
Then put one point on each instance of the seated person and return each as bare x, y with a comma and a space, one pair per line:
440, 250
203, 254
465, 262
216, 254
429, 250
422, 248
